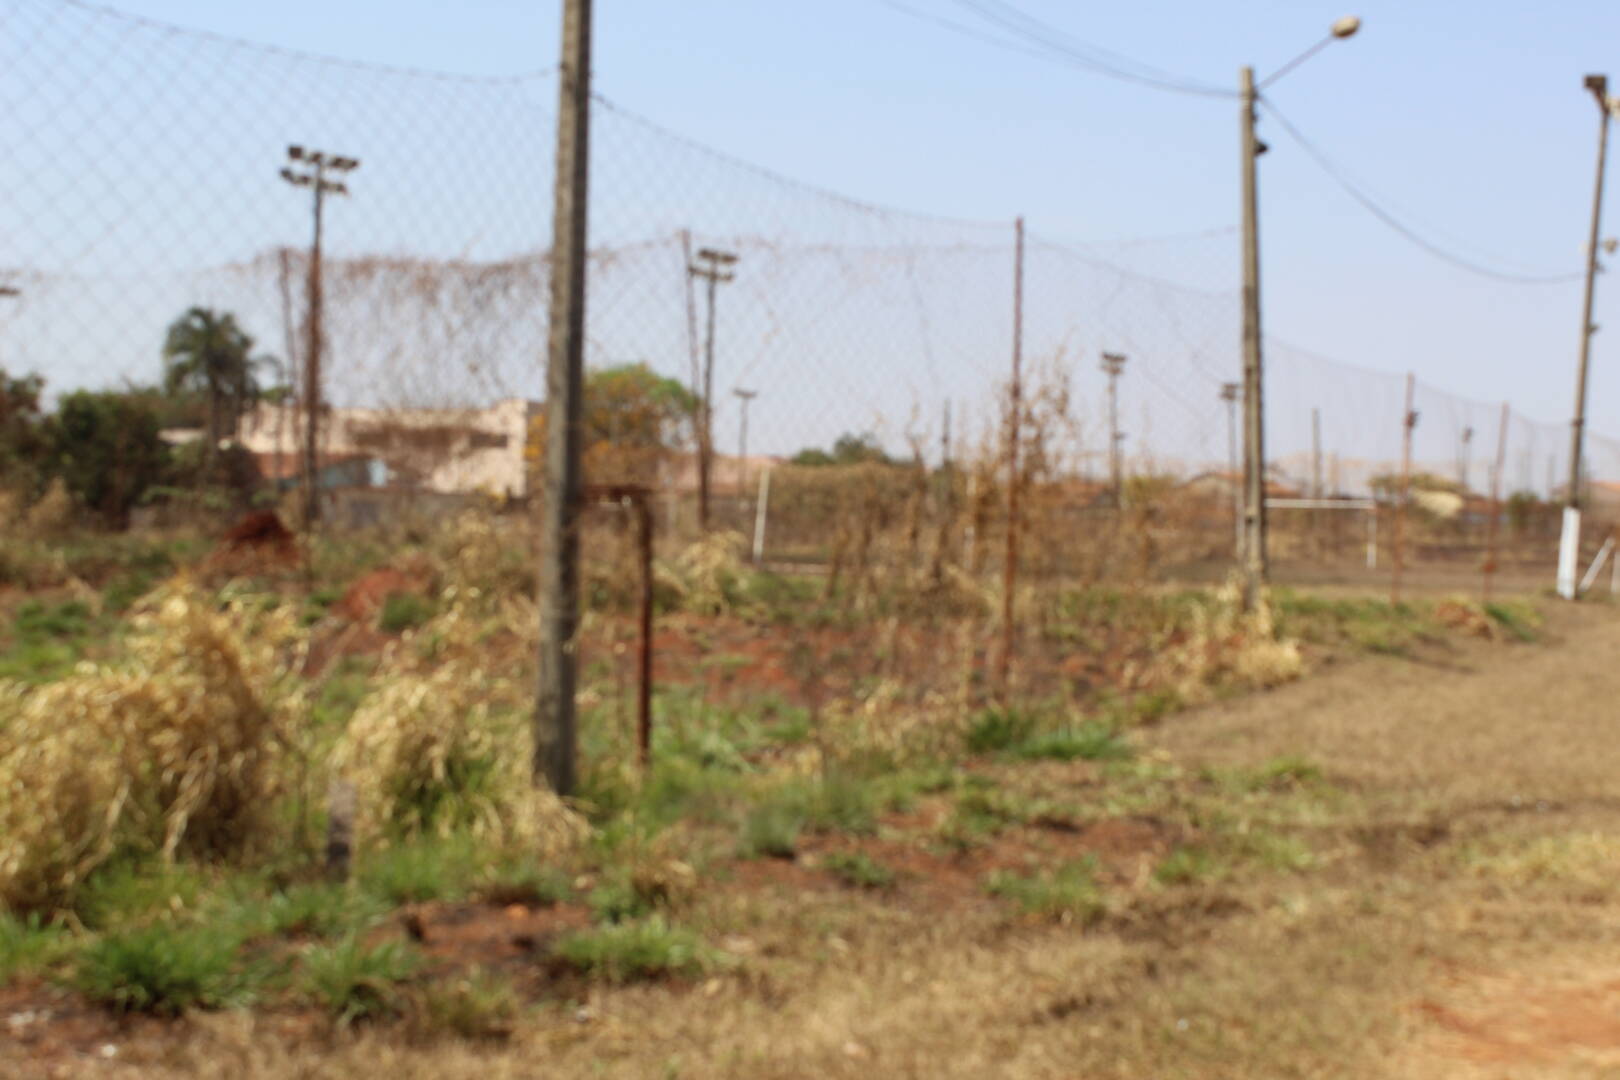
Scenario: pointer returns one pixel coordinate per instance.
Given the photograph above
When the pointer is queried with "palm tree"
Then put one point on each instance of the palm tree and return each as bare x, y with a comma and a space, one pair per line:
207, 353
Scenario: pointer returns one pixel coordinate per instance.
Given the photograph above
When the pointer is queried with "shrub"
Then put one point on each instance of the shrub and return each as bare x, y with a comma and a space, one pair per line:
1069, 893
183, 748
628, 952
162, 969
355, 981
422, 869
317, 910
427, 755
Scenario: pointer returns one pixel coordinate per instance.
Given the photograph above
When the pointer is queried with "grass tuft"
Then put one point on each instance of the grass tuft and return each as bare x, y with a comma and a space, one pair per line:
163, 970
1069, 893
631, 952
356, 981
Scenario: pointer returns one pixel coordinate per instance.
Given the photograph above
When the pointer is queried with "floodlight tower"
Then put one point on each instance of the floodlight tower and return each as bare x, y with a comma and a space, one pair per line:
309, 169
712, 266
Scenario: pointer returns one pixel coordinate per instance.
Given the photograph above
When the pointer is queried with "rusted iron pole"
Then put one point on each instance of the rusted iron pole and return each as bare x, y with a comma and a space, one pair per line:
1009, 576
1491, 524
1408, 422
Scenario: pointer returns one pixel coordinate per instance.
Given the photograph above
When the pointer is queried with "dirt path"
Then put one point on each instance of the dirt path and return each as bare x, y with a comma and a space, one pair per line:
1515, 754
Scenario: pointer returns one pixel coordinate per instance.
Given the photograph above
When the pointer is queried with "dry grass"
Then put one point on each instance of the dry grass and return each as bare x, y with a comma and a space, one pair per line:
183, 747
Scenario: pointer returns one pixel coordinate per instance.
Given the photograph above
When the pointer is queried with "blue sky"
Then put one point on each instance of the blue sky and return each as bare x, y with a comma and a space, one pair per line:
1468, 120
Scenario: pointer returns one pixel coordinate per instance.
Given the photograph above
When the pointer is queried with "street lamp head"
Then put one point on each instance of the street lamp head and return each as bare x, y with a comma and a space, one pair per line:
724, 258
1347, 26
295, 152
1599, 85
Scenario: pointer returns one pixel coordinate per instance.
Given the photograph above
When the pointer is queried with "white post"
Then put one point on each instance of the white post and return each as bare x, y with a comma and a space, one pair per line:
1614, 576
1597, 564
1569, 550
1372, 538
759, 515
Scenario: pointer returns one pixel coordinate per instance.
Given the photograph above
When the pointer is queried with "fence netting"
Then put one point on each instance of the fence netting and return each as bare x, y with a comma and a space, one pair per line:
144, 180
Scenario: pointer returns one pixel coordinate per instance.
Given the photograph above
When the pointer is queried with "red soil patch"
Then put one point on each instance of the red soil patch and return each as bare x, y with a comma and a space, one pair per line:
256, 545
365, 596
492, 936
1500, 1020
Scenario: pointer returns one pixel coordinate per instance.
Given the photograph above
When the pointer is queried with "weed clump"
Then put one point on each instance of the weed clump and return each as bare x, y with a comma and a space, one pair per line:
182, 749
163, 969
356, 981
428, 756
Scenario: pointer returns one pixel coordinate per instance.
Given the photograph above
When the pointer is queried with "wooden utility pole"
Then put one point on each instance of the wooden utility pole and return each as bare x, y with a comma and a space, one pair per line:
1492, 524
309, 169
1254, 436
710, 266
1570, 542
555, 733
1113, 364
1408, 423
1009, 575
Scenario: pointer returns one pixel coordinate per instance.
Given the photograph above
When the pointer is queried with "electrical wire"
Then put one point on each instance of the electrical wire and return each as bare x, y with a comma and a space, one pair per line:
1372, 206
1037, 39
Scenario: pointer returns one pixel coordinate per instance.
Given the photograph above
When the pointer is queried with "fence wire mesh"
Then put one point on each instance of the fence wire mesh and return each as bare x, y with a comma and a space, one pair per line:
145, 181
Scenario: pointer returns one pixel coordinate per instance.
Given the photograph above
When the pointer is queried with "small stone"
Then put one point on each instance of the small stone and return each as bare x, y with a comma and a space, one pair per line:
108, 1050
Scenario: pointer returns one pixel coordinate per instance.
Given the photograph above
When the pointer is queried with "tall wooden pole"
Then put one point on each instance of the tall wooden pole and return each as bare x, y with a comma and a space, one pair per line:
1569, 546
1009, 576
1254, 438
555, 732
1408, 422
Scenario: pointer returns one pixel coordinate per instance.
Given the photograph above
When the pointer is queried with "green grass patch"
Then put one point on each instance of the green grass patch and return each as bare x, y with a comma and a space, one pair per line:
994, 730
1188, 866
30, 945
426, 869
1519, 621
631, 952
1069, 893
1090, 742
403, 611
355, 981
858, 869
164, 970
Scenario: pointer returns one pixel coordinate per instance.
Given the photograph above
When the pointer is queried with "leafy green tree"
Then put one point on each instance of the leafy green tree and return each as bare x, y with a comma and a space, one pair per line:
633, 417
106, 448
847, 449
21, 439
206, 354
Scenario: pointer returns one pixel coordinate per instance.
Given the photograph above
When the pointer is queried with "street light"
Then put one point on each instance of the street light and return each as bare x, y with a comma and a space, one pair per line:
313, 166
1569, 543
1254, 449
1112, 365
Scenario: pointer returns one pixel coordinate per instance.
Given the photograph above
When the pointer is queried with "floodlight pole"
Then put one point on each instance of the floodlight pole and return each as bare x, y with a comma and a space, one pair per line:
315, 164
1569, 547
710, 266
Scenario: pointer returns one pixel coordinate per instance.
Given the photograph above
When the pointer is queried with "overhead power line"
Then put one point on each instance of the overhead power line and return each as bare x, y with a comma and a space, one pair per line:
1374, 207
1031, 37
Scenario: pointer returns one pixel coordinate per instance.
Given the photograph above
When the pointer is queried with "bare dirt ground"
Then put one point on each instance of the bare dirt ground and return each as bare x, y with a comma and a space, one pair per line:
1459, 919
